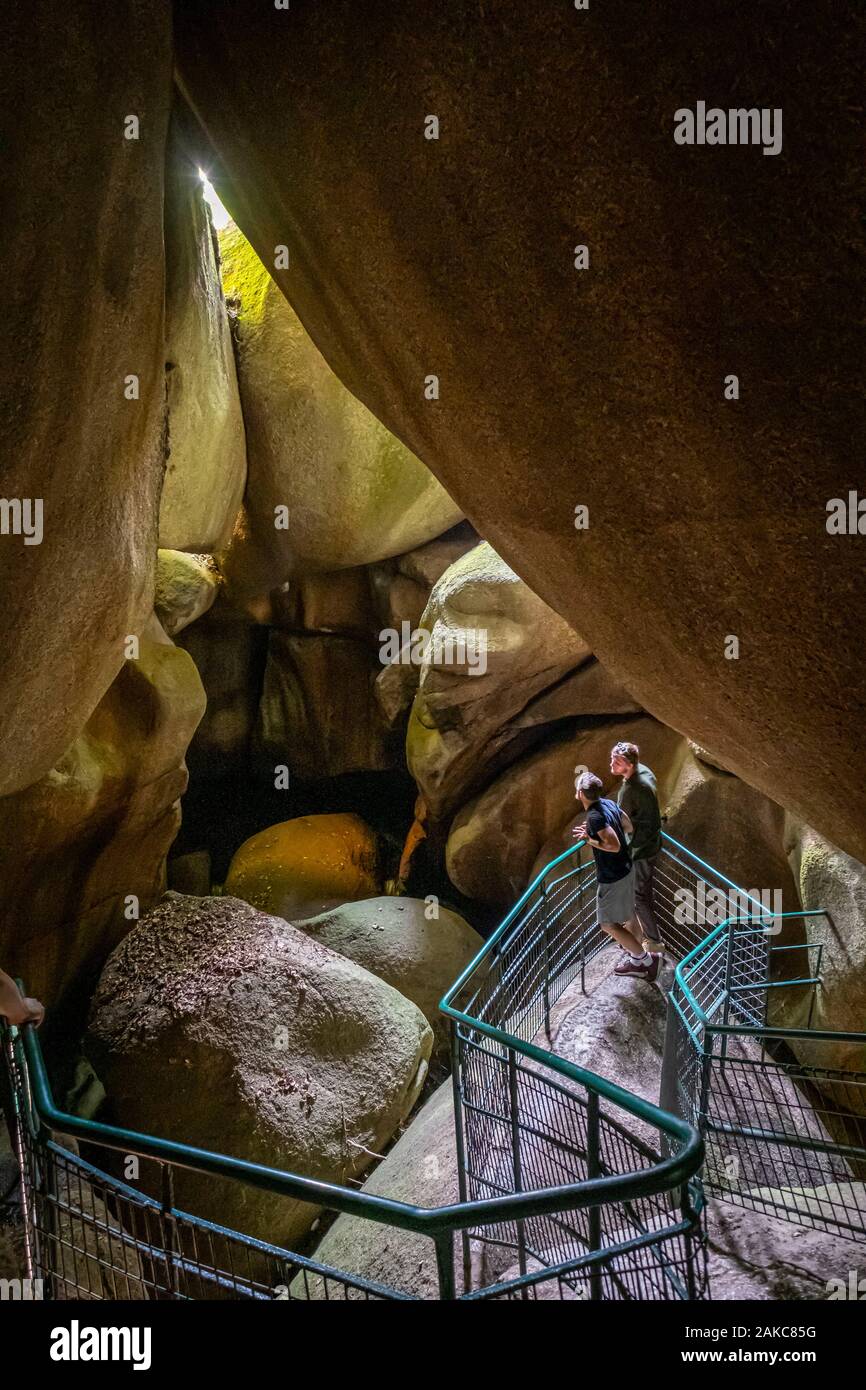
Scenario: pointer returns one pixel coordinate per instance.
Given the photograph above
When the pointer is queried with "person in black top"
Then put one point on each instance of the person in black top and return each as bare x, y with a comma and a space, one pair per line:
605, 829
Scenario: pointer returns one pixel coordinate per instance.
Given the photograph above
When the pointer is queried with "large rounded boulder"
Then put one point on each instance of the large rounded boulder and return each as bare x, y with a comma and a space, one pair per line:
230, 1030
833, 885
495, 843
491, 647
736, 829
418, 947
300, 867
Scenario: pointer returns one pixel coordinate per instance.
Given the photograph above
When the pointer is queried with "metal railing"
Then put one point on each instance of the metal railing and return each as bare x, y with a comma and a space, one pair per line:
582, 1189
522, 1122
631, 1212
539, 1122
88, 1234
785, 1125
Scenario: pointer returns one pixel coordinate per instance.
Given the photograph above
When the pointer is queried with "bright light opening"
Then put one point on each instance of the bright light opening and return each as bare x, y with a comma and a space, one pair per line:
219, 212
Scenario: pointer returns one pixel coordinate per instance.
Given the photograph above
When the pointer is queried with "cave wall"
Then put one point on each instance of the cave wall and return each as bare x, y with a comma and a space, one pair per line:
83, 311
83, 850
605, 387
454, 257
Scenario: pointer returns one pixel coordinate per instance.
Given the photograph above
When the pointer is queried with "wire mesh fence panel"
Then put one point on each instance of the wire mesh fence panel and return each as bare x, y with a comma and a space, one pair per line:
784, 1124
96, 1240
489, 1167
690, 899
561, 1135
556, 934
784, 1133
522, 1127
91, 1236
536, 1131
574, 936
640, 1267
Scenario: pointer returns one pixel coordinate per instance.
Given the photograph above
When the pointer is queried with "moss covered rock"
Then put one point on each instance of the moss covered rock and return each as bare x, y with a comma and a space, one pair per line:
186, 587
352, 493
82, 851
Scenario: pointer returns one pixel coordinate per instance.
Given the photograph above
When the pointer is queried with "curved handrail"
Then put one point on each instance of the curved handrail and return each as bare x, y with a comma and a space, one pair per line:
668, 1173
710, 943
684, 849
671, 1172
445, 1003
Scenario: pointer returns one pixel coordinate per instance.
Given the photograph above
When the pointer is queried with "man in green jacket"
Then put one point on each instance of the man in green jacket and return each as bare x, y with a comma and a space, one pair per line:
637, 797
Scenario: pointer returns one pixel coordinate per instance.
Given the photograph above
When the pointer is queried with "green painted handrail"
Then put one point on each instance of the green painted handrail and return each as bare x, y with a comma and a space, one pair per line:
667, 1174
710, 943
446, 1002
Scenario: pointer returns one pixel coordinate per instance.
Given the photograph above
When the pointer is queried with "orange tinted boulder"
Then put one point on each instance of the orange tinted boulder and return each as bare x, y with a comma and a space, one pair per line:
304, 866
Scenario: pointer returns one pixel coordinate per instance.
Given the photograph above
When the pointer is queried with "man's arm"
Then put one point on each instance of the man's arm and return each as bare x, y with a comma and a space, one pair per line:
15, 1007
607, 840
585, 830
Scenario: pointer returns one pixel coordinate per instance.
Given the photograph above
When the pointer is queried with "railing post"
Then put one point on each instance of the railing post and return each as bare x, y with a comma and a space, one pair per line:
701, 1120
689, 1238
167, 1224
457, 1087
444, 1242
582, 936
810, 970
546, 986
515, 1153
18, 1125
669, 1085
593, 1170
729, 970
